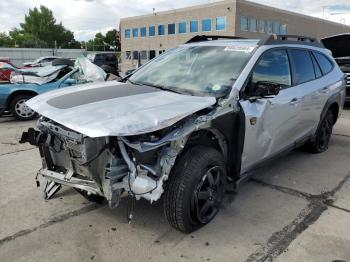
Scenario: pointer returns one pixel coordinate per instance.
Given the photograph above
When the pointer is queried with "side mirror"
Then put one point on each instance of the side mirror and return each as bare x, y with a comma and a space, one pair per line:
265, 89
69, 82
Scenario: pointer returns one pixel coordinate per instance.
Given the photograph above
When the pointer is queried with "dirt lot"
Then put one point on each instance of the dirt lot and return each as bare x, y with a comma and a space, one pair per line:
295, 209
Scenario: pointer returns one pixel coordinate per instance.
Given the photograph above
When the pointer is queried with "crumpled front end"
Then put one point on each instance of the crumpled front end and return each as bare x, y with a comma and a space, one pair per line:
108, 167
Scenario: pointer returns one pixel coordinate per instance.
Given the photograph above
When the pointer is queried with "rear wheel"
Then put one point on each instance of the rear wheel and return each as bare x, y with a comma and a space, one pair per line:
195, 189
20, 110
321, 139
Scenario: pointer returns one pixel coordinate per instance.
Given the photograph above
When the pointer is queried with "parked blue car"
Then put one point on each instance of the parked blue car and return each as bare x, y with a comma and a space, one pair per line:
29, 83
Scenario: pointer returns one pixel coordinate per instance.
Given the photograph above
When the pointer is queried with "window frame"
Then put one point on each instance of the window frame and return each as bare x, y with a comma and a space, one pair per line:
174, 28
274, 27
269, 22
243, 91
333, 65
145, 29
211, 24
262, 21
250, 24
129, 31
161, 25
179, 27
133, 30
149, 31
247, 20
316, 64
225, 24
295, 83
192, 21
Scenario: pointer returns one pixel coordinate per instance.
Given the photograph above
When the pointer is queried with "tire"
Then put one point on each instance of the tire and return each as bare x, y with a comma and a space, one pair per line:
20, 110
191, 198
62, 61
110, 70
319, 143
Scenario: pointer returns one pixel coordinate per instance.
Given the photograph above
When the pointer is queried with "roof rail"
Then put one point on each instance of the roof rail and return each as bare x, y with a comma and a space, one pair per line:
202, 38
290, 39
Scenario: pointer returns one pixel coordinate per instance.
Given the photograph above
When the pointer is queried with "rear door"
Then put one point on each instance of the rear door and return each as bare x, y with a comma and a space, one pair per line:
271, 123
307, 79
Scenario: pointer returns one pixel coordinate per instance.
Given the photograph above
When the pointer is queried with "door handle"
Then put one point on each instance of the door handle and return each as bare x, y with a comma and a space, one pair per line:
294, 101
324, 90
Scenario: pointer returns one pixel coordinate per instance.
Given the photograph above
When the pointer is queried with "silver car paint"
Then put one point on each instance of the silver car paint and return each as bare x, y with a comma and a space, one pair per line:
276, 118
123, 116
290, 116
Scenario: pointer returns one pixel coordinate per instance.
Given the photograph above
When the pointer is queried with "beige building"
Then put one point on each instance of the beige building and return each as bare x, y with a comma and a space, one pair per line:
149, 35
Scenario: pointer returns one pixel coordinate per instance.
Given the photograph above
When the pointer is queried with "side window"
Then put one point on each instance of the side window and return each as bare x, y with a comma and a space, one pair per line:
303, 67
273, 67
323, 61
316, 67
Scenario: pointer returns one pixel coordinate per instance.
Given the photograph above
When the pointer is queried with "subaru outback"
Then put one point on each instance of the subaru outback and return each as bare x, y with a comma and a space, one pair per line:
190, 124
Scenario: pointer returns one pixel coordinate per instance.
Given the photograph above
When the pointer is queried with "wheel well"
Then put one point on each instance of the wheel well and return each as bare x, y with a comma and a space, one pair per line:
334, 108
205, 138
17, 93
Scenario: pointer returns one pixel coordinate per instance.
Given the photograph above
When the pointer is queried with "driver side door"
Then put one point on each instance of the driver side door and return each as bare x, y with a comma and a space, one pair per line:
270, 123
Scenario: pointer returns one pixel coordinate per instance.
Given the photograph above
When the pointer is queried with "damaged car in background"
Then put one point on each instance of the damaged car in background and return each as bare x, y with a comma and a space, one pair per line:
26, 83
189, 125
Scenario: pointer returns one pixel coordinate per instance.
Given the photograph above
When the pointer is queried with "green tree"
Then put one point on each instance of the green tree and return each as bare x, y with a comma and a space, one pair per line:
5, 40
40, 29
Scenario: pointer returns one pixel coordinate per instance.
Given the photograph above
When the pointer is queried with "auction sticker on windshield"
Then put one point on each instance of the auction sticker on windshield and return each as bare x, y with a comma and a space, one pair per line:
245, 49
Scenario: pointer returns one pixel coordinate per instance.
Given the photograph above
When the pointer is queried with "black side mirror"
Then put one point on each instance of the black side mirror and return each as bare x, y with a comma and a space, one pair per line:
265, 89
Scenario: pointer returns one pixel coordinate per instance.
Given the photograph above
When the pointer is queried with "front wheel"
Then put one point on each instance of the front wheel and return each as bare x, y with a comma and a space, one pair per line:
195, 189
320, 141
20, 110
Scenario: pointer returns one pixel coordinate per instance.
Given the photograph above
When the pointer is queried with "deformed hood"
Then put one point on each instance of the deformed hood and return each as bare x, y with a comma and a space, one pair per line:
338, 44
116, 109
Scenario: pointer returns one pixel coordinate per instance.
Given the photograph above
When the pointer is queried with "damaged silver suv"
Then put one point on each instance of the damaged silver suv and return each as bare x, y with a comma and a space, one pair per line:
190, 124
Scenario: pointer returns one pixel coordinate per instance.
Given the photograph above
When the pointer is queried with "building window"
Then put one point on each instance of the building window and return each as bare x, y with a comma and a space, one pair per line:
182, 28
284, 30
171, 29
262, 26
244, 23
143, 31
135, 32
269, 27
127, 55
152, 31
135, 55
144, 55
206, 25
221, 23
127, 33
152, 54
252, 24
194, 26
276, 27
161, 30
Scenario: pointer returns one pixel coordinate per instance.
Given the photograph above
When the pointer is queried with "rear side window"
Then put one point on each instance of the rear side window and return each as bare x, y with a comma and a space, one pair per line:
273, 67
325, 64
303, 67
318, 72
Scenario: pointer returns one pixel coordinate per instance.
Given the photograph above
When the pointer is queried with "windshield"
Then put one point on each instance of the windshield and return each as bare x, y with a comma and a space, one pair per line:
199, 70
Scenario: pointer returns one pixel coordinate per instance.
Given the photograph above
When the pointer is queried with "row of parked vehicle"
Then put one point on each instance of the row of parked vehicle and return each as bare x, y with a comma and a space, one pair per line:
19, 84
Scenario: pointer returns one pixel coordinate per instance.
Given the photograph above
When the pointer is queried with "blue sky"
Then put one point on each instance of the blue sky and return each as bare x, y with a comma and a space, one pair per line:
87, 17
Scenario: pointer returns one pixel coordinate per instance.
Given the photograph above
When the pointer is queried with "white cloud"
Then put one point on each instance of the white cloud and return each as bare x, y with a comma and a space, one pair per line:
87, 17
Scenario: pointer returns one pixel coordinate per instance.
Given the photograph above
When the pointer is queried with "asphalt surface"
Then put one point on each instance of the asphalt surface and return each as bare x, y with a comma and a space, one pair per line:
295, 209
